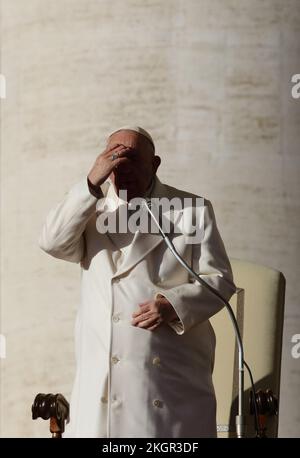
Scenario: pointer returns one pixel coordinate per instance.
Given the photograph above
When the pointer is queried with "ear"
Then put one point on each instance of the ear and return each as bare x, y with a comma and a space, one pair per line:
156, 163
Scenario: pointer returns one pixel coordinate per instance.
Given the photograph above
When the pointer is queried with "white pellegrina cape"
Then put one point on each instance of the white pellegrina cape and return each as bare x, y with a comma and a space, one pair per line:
131, 382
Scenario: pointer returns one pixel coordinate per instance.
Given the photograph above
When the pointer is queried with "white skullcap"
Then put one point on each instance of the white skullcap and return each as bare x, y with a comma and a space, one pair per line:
138, 129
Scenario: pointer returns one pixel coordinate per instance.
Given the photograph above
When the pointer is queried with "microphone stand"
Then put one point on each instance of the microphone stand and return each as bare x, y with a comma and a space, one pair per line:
240, 418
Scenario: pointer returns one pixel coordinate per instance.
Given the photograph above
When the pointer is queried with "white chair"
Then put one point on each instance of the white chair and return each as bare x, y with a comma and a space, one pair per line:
259, 308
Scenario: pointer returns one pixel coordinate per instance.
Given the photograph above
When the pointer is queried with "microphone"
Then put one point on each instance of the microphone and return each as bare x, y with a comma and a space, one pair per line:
240, 417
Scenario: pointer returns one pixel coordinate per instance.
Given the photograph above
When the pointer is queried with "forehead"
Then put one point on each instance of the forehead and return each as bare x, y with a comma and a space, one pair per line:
128, 138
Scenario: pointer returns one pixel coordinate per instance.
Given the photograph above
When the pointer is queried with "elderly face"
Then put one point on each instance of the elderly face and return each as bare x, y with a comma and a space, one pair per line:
136, 173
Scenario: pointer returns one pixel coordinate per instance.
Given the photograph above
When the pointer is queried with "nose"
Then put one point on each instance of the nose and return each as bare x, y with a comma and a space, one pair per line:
124, 169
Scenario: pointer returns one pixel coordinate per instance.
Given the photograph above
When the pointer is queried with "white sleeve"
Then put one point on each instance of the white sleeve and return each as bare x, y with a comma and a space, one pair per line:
192, 302
62, 233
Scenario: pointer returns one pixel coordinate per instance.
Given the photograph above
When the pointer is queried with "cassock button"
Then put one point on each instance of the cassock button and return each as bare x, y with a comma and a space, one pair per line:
116, 318
115, 360
158, 403
156, 361
104, 400
116, 402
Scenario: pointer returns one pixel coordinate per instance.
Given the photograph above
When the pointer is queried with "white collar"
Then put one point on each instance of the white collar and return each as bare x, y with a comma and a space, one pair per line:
111, 193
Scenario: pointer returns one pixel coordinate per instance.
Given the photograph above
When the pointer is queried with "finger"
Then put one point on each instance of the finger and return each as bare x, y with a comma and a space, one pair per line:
116, 152
111, 149
144, 316
154, 325
122, 156
148, 322
143, 309
136, 313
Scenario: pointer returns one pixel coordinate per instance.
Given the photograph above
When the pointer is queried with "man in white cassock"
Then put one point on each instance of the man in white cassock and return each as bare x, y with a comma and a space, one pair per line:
143, 341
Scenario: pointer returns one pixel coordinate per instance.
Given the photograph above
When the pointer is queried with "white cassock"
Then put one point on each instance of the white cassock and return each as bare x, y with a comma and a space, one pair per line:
131, 382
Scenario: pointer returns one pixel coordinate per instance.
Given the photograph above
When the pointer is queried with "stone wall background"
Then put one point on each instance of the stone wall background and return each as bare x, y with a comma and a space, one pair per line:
210, 79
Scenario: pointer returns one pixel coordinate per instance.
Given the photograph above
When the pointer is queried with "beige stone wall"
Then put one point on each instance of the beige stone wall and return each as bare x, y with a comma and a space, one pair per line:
210, 79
